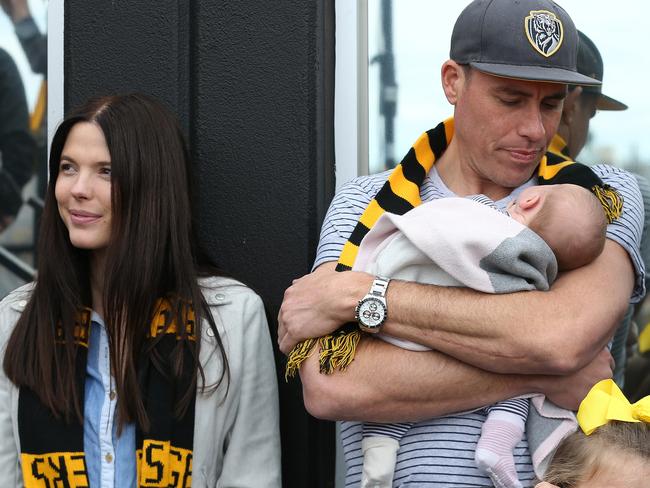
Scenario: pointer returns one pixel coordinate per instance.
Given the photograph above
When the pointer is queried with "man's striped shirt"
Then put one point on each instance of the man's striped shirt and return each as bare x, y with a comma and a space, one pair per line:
440, 451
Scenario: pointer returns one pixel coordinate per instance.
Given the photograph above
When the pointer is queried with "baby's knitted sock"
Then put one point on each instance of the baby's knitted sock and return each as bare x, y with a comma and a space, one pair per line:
494, 455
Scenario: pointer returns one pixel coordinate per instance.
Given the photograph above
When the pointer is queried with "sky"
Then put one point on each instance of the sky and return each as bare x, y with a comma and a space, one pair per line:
422, 30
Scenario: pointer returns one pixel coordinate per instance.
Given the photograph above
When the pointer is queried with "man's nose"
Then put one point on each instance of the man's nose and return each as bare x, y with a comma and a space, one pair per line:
532, 125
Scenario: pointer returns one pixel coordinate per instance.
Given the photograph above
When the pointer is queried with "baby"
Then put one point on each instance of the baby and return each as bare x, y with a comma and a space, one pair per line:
568, 217
615, 454
571, 221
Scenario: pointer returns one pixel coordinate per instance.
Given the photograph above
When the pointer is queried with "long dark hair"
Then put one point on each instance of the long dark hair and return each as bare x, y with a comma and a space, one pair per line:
153, 253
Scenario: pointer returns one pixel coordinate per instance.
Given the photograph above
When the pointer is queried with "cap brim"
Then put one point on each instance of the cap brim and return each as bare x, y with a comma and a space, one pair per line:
536, 73
608, 103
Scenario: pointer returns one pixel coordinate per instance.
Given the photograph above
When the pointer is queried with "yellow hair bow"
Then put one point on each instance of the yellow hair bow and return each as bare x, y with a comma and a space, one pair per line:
606, 402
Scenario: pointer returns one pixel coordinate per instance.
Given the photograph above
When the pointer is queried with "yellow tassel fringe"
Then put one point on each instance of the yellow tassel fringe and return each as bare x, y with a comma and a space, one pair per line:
297, 356
336, 352
611, 201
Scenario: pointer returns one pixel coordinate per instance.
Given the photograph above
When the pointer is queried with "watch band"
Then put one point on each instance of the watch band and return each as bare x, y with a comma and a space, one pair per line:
379, 286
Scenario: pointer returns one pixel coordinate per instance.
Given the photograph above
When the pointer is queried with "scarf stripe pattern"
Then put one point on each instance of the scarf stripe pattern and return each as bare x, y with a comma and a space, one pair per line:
52, 452
402, 190
557, 167
401, 193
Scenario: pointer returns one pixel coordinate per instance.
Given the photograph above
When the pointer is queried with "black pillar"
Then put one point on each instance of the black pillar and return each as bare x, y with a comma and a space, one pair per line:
252, 83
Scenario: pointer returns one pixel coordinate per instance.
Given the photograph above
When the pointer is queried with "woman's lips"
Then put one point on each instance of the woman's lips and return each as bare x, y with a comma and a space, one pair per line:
83, 217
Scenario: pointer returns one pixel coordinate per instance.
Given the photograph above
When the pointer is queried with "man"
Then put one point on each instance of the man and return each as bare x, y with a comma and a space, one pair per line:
16, 142
34, 45
507, 94
580, 106
582, 102
33, 42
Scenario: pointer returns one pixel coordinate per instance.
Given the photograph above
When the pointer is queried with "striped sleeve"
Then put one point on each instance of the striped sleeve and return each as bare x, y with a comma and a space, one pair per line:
644, 186
485, 200
627, 229
343, 214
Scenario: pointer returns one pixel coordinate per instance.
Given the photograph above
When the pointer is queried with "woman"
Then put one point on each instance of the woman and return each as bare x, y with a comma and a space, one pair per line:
129, 362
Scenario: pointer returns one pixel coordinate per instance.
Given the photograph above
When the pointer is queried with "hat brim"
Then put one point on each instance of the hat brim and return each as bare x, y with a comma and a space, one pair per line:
609, 103
535, 73
604, 102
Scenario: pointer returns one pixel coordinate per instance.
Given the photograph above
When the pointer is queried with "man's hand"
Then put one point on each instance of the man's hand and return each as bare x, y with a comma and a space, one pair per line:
568, 391
6, 221
319, 303
17, 10
11, 199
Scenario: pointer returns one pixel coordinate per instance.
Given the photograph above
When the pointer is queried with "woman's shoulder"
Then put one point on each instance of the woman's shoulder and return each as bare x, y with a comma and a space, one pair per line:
235, 306
221, 290
17, 299
12, 306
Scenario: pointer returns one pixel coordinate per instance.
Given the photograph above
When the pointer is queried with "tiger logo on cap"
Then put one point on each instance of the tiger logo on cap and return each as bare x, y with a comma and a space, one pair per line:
544, 32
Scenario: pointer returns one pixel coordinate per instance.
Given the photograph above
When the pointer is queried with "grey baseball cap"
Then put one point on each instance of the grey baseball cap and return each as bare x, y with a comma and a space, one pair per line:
532, 40
590, 63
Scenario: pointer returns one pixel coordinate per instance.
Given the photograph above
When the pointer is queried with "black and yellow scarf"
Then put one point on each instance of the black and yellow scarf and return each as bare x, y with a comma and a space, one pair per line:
52, 451
401, 193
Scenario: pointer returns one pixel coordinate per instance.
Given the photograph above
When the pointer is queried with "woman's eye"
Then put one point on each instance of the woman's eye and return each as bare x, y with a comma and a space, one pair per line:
65, 167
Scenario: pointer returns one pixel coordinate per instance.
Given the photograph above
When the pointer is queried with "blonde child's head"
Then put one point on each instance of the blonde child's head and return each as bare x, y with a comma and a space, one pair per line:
606, 453
615, 455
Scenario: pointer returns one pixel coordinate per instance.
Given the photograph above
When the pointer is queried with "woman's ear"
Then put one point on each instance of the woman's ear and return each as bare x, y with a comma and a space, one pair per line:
453, 79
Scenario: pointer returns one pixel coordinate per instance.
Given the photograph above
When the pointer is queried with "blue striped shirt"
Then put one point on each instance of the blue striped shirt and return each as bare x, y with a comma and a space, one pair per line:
110, 459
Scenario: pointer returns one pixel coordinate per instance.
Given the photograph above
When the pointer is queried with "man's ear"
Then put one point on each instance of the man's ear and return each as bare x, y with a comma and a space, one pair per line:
453, 79
529, 202
570, 103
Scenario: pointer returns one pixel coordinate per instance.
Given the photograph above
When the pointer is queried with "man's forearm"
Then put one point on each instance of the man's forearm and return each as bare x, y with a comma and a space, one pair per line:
529, 332
34, 44
553, 332
388, 384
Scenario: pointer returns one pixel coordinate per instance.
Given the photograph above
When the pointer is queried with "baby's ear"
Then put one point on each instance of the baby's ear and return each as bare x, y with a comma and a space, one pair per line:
529, 202
544, 484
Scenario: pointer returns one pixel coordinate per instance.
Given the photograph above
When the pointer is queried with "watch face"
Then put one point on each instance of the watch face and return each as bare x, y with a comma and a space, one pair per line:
371, 312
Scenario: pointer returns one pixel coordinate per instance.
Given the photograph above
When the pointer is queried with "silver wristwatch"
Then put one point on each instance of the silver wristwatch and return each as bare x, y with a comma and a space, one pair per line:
371, 311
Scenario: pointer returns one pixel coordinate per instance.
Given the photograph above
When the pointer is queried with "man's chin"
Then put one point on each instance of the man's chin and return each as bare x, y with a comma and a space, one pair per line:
518, 176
